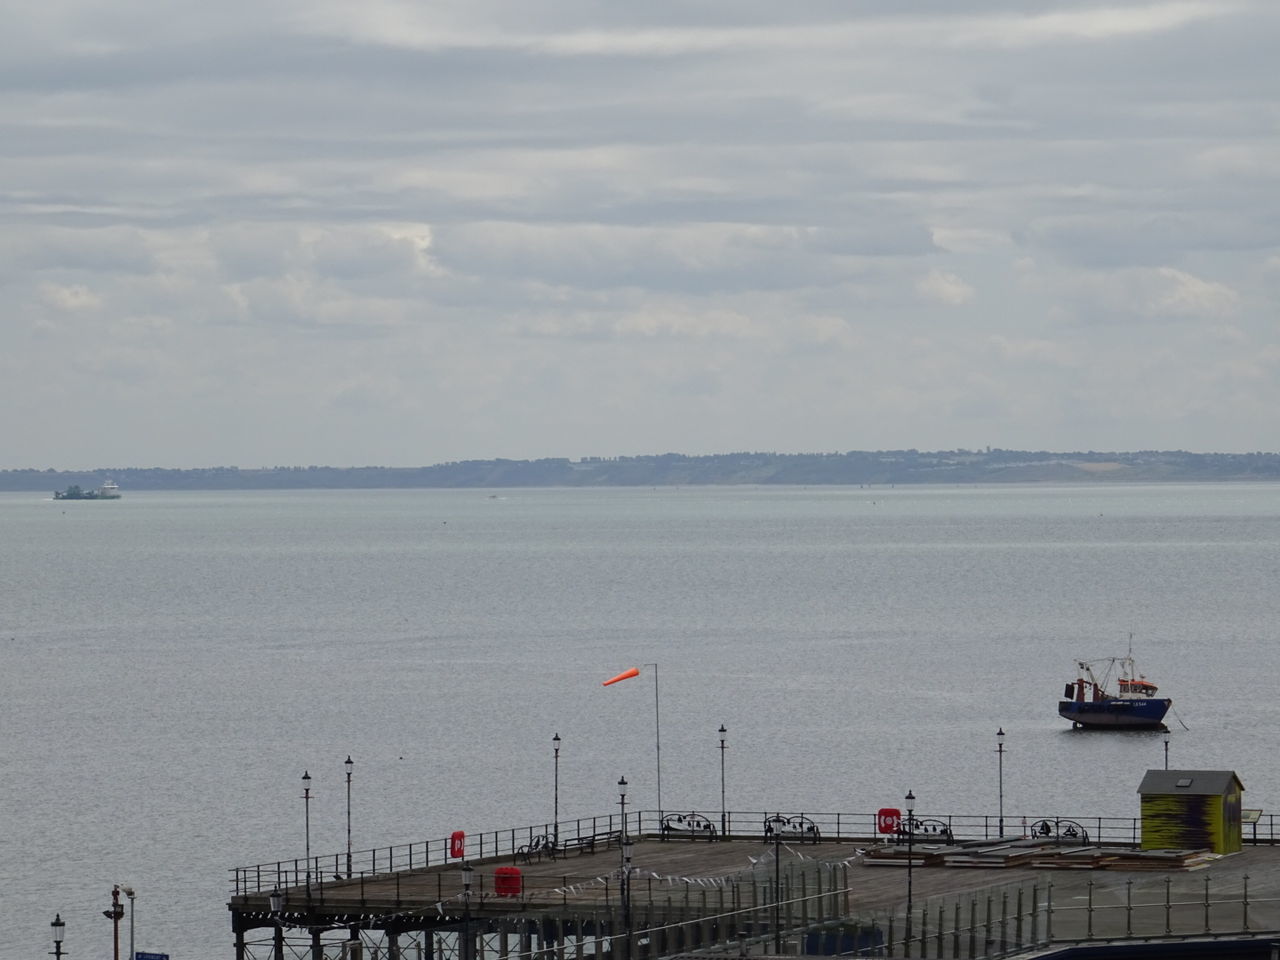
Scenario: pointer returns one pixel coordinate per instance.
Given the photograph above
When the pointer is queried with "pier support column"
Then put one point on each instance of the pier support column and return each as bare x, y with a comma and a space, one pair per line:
277, 943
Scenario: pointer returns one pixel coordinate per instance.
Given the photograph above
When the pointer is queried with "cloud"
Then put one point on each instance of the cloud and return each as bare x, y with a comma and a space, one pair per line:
943, 287
1159, 293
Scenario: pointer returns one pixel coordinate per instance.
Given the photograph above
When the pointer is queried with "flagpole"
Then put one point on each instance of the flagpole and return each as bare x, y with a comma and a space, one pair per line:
657, 734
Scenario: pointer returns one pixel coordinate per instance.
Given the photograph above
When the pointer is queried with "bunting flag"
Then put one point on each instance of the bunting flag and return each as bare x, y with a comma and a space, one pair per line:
624, 675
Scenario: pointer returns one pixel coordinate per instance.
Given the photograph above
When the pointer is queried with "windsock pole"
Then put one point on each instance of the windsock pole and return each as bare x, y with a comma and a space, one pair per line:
657, 718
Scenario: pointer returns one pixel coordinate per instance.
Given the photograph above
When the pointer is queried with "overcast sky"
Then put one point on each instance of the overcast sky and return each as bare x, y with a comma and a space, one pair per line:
400, 233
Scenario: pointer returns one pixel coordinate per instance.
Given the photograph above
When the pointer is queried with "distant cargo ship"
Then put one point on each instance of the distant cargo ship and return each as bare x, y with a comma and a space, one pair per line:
1134, 706
108, 491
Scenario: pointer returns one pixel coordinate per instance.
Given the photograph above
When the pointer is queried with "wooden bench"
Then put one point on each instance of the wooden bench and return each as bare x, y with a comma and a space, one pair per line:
589, 842
799, 828
914, 830
691, 825
537, 847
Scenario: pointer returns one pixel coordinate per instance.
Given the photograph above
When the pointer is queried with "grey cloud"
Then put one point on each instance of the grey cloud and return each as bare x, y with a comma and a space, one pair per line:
68, 251
703, 258
1151, 238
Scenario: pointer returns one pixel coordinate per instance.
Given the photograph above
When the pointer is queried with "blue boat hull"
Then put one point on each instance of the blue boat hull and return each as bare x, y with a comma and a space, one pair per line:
1115, 714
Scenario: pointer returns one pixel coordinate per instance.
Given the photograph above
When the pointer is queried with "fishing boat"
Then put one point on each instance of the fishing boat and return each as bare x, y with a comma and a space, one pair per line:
1131, 705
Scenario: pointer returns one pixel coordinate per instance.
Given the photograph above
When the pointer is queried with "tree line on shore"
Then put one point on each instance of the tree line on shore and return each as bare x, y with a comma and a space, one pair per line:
671, 469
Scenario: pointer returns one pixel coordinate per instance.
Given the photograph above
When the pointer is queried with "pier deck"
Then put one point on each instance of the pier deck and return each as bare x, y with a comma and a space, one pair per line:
699, 893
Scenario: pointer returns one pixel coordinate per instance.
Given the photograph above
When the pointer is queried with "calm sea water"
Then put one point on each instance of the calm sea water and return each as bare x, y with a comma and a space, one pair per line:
172, 663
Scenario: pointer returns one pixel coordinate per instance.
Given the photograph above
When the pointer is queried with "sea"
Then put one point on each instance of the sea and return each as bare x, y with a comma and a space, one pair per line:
174, 662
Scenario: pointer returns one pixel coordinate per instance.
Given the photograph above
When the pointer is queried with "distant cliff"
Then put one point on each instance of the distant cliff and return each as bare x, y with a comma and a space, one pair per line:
853, 467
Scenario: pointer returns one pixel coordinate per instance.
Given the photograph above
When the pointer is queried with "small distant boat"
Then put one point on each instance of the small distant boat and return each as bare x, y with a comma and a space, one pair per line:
108, 491
1132, 705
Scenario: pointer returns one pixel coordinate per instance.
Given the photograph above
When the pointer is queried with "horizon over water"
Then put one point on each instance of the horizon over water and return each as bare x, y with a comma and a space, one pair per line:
173, 662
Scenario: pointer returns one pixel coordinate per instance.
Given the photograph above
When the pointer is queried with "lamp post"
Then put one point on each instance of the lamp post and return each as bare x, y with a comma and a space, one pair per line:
306, 802
777, 885
114, 915
465, 952
555, 826
626, 895
128, 892
1000, 755
350, 765
276, 901
1166, 748
911, 833
724, 818
58, 929
622, 804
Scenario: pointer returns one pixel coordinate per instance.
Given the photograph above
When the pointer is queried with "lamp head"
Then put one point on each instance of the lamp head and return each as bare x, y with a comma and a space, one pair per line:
276, 899
127, 891
723, 731
555, 741
466, 876
306, 779
622, 786
58, 928
349, 764
911, 802
1000, 736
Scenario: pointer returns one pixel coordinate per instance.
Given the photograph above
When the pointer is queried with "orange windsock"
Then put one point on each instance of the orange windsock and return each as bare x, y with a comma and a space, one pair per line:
624, 675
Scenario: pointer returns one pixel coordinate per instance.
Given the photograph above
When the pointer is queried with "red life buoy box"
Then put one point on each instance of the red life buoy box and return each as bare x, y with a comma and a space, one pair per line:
507, 881
889, 819
458, 844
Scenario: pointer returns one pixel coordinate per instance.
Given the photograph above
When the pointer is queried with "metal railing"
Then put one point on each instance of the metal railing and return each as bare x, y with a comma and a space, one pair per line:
853, 827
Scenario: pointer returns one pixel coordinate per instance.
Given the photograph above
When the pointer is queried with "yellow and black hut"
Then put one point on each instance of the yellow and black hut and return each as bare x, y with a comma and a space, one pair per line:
1191, 810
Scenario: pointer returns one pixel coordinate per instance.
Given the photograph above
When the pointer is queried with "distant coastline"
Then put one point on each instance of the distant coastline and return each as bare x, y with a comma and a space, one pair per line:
854, 468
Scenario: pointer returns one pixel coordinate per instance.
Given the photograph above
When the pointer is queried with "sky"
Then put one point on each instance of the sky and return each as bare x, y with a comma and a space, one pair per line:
404, 233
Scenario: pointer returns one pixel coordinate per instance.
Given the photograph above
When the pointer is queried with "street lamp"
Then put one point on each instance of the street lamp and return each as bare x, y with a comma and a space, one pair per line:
306, 801
1000, 754
465, 952
128, 892
1166, 748
622, 803
276, 900
724, 820
911, 833
58, 928
555, 826
626, 895
777, 885
114, 915
349, 764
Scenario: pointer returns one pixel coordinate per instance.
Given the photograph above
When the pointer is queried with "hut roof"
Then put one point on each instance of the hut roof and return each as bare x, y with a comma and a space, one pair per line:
1197, 782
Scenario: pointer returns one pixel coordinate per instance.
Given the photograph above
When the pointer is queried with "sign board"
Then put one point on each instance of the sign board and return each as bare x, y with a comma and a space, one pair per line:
139, 955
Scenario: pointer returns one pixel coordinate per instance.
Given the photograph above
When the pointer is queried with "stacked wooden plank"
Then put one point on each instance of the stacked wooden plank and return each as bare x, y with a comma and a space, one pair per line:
1035, 852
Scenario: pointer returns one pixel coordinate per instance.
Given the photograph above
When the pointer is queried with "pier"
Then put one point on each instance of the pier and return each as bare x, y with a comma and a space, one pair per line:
667, 884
